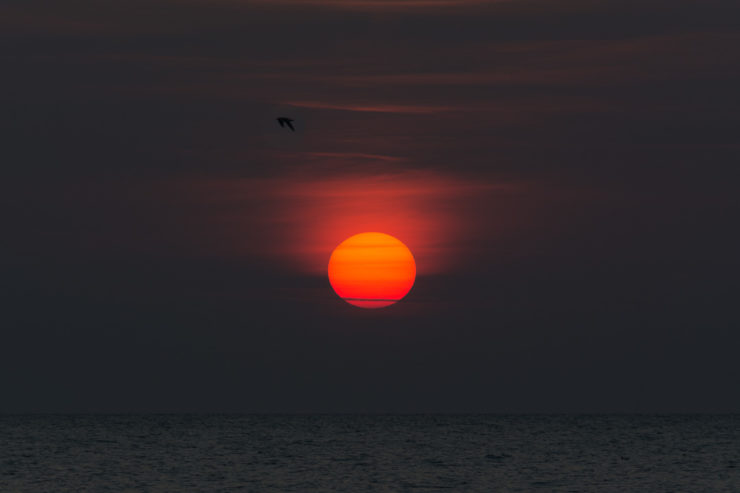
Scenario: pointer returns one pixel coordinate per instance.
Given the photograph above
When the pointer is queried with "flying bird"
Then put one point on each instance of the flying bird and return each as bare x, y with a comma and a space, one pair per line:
286, 121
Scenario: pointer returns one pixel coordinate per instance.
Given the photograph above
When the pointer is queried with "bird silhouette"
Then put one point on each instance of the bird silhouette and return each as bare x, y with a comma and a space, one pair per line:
286, 121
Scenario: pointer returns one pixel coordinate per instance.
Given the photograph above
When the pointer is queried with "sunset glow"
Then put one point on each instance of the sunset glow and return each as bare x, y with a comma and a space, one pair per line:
372, 270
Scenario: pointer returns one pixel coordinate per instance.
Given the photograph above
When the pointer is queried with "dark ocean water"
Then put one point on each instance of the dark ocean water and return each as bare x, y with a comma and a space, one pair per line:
416, 453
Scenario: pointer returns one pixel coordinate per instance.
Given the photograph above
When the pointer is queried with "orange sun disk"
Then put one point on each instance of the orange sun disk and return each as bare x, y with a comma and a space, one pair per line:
372, 270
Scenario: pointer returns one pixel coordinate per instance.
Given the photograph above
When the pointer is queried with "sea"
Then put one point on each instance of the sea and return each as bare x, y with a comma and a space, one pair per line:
356, 453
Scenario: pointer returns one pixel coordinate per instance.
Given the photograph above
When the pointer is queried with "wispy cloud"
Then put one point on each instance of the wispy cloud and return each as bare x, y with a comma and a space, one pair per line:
380, 4
354, 156
372, 108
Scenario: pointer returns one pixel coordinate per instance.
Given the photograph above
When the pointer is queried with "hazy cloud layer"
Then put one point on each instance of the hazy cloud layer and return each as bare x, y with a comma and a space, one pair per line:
565, 173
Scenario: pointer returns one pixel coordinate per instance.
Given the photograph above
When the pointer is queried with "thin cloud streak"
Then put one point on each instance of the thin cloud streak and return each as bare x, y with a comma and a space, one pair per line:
380, 4
377, 108
352, 156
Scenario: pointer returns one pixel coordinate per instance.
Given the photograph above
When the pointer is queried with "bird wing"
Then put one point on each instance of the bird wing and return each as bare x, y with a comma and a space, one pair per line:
290, 125
281, 122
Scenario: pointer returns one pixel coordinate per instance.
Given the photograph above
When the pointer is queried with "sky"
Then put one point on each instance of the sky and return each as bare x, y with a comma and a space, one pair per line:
564, 172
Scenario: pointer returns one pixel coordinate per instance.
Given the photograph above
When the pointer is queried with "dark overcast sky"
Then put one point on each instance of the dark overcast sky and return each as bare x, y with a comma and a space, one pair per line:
565, 173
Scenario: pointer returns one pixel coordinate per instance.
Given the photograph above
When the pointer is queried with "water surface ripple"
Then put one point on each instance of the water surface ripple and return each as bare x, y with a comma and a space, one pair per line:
351, 453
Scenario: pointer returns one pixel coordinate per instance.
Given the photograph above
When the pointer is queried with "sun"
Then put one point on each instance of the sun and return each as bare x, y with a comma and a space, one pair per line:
372, 270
